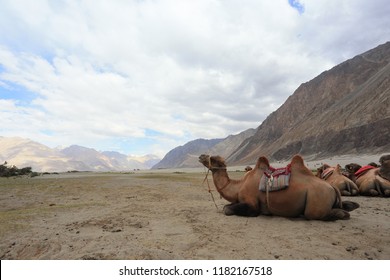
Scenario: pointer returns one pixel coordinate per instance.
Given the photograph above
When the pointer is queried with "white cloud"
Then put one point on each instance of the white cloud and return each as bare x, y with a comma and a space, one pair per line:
105, 70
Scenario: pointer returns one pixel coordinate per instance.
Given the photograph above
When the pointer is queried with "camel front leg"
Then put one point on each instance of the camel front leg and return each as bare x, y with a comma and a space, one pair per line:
241, 209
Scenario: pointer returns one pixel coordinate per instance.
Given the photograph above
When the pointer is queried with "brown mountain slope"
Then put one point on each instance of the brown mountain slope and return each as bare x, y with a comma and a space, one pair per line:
188, 154
345, 110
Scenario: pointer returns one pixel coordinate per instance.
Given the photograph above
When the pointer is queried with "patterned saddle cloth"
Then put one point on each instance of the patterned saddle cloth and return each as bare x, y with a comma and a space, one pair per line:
275, 179
363, 170
327, 172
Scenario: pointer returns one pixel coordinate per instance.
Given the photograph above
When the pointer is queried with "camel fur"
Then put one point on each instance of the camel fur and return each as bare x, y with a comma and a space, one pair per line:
307, 195
376, 181
336, 178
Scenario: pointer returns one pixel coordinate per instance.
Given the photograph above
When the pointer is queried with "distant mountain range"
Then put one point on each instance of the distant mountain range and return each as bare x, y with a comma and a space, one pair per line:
25, 152
187, 155
345, 110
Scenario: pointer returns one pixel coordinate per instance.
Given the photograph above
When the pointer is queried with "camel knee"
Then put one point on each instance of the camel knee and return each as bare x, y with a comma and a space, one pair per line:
372, 192
350, 205
354, 192
346, 193
241, 209
227, 210
337, 214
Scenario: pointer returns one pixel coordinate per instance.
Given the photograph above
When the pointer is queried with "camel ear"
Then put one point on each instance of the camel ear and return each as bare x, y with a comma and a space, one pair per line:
338, 168
262, 163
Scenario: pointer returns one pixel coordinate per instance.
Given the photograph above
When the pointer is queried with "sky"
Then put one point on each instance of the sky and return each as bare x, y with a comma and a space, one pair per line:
145, 76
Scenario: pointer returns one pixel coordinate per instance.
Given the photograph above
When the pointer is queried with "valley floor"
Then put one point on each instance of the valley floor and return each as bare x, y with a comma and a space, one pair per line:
168, 215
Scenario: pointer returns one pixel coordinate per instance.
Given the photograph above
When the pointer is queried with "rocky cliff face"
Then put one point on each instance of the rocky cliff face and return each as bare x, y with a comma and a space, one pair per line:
188, 154
341, 111
183, 156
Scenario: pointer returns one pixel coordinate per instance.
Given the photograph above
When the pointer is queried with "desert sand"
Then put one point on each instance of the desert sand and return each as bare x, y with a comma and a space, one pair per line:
169, 215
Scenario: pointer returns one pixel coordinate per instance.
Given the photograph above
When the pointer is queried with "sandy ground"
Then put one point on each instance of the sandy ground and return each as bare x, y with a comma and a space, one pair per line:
168, 215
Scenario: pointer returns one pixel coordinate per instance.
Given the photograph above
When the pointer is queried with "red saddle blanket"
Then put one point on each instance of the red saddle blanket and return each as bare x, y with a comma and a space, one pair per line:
275, 179
363, 170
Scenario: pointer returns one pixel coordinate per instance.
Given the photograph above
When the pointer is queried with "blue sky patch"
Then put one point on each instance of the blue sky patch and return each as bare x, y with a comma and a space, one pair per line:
297, 5
16, 92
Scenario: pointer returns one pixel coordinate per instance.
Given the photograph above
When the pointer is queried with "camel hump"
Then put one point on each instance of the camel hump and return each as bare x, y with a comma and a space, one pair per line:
297, 160
262, 163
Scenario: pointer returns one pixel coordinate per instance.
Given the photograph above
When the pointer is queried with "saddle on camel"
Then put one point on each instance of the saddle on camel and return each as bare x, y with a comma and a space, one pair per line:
335, 177
306, 195
372, 180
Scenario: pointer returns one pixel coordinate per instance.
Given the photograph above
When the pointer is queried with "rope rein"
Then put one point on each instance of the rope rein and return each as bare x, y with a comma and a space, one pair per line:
209, 189
208, 185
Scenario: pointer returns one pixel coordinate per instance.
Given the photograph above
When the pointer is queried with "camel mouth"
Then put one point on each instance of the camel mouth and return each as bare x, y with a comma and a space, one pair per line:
205, 160
203, 157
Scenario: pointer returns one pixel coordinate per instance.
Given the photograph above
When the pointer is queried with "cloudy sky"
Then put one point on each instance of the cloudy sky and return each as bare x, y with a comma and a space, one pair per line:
146, 76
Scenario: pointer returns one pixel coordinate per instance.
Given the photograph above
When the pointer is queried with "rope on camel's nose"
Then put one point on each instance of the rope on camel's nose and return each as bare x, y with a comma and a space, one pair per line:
209, 189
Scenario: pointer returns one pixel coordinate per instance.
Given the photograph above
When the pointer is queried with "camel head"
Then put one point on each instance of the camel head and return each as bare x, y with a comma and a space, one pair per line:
352, 168
248, 168
384, 160
212, 162
384, 170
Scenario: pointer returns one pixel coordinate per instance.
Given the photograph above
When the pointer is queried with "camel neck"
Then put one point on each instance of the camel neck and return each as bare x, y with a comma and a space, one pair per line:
224, 185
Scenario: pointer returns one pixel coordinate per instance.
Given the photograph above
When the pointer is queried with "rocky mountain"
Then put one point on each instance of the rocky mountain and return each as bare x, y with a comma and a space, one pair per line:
183, 156
187, 155
24, 152
345, 110
122, 162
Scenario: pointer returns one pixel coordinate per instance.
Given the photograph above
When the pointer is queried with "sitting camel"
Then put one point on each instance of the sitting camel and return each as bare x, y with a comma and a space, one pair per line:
248, 168
375, 181
335, 177
306, 194
351, 170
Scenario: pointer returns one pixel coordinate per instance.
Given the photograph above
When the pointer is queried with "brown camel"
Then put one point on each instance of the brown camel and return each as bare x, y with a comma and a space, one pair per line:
375, 181
335, 177
306, 195
351, 169
248, 168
